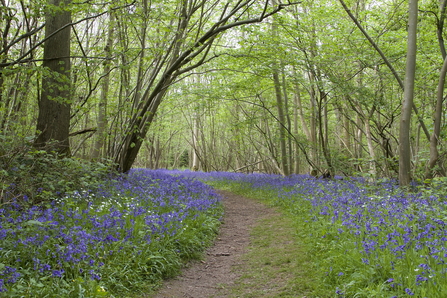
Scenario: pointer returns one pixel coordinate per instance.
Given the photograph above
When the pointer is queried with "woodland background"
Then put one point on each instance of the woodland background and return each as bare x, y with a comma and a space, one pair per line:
227, 85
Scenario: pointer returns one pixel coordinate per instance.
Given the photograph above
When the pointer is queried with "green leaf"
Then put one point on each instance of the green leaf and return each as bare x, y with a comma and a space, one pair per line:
33, 223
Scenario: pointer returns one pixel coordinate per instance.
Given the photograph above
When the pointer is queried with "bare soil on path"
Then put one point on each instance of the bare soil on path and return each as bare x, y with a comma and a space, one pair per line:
215, 274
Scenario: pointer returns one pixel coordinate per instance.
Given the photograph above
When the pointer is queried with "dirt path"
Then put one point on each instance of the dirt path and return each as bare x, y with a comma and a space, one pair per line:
214, 275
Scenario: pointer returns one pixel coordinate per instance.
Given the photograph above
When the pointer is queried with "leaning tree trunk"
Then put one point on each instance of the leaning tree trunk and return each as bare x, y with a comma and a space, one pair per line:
53, 122
180, 59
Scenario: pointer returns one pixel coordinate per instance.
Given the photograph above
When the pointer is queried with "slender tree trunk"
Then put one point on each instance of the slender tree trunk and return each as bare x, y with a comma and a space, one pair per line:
434, 139
101, 134
359, 143
440, 27
369, 140
387, 62
282, 123
313, 121
295, 131
53, 122
195, 142
288, 120
321, 131
299, 108
325, 121
346, 130
405, 120
142, 57
434, 154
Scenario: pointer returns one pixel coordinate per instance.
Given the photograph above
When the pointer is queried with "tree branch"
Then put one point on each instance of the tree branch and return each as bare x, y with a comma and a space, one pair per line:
21, 58
387, 62
83, 131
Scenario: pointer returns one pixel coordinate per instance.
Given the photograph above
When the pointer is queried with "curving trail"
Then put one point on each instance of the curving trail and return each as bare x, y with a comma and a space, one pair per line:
215, 274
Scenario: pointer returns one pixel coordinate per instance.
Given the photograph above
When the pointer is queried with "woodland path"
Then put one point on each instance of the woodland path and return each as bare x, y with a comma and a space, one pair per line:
215, 274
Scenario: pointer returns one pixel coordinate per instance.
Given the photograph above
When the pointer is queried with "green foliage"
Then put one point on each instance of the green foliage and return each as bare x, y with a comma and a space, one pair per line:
365, 240
120, 241
30, 176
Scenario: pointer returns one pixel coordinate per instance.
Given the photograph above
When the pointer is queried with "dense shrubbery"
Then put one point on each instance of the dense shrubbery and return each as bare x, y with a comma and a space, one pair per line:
29, 176
121, 238
367, 240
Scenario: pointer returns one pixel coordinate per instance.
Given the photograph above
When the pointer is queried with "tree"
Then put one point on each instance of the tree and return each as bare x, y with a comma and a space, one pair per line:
405, 120
53, 122
188, 50
435, 137
102, 105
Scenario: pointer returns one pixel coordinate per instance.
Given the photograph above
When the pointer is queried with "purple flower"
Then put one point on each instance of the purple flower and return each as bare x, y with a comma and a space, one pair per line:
2, 286
94, 276
338, 291
58, 273
420, 278
409, 292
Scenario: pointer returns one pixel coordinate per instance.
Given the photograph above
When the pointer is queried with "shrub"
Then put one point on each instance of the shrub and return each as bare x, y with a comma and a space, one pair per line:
123, 238
29, 176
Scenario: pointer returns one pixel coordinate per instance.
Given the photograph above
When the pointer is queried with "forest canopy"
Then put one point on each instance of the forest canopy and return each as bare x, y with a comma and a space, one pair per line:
337, 87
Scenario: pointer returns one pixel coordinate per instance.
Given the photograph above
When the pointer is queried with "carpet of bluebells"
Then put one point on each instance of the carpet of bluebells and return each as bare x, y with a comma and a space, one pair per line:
367, 240
138, 229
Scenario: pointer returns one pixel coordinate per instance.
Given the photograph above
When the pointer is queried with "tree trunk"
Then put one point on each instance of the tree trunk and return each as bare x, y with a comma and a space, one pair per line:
288, 121
434, 154
346, 132
434, 139
313, 121
178, 59
404, 132
282, 123
101, 134
296, 111
321, 132
369, 140
359, 143
53, 122
387, 62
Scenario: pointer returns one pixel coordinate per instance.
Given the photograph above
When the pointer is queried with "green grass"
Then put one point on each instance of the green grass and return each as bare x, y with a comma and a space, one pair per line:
278, 263
355, 239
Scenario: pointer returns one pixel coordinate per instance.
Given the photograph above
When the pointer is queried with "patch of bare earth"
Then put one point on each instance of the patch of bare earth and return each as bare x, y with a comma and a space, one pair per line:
216, 274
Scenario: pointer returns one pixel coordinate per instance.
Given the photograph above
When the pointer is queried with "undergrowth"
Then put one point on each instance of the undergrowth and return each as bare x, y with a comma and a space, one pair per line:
88, 234
364, 239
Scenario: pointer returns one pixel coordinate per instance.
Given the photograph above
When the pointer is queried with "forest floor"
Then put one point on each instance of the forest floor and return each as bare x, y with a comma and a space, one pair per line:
254, 255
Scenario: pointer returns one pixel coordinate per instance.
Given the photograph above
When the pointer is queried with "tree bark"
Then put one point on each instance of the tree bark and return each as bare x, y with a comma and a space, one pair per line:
53, 122
282, 123
179, 60
288, 120
195, 142
434, 154
387, 62
369, 140
434, 139
102, 106
405, 120
440, 25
